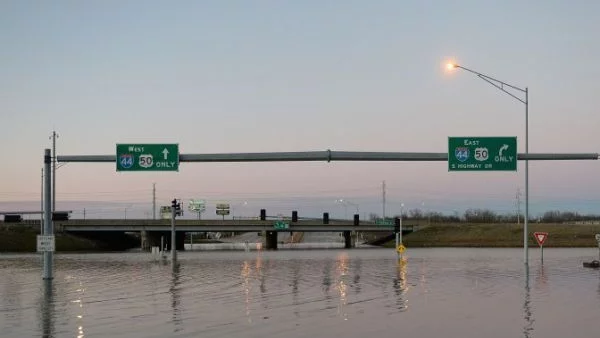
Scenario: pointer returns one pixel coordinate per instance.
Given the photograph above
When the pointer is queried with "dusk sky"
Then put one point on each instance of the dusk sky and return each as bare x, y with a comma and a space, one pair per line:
269, 76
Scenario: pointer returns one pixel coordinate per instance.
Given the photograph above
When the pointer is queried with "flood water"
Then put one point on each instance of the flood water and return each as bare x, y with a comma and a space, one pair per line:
295, 293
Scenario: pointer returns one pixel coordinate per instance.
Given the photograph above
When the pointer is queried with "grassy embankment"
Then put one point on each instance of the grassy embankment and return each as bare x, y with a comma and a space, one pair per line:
500, 235
23, 239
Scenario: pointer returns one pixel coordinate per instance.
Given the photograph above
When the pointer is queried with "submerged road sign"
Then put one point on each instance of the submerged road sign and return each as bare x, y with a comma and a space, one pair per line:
482, 153
147, 157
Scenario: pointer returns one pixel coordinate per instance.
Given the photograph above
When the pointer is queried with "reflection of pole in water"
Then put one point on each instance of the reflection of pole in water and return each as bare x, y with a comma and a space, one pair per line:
400, 285
295, 280
528, 328
175, 297
356, 279
47, 309
327, 278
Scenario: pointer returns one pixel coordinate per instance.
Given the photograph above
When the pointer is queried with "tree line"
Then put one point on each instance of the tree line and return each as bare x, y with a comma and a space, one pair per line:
489, 216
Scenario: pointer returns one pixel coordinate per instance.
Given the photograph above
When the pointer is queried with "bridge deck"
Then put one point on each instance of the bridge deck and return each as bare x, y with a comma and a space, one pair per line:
218, 225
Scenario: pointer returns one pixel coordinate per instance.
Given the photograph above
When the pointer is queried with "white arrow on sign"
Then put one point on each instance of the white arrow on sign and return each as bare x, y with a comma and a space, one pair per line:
165, 152
502, 149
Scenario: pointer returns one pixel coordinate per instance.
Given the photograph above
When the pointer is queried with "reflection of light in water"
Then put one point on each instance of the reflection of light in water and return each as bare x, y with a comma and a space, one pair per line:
246, 270
400, 284
340, 284
79, 301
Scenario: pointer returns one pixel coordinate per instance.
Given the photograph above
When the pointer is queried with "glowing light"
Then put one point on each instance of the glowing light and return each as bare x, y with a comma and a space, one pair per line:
451, 65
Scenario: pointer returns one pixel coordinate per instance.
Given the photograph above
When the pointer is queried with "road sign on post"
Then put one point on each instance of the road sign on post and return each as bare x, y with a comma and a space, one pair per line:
147, 157
482, 153
223, 209
45, 243
540, 237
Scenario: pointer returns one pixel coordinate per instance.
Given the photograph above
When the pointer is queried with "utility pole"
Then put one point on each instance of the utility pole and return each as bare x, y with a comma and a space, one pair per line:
383, 198
54, 137
153, 200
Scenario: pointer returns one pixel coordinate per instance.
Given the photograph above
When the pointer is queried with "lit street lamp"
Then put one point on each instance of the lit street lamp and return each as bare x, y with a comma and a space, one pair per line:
501, 85
345, 203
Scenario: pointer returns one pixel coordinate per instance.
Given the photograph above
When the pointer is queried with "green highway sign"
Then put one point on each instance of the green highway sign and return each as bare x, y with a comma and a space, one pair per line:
147, 157
482, 153
280, 225
387, 222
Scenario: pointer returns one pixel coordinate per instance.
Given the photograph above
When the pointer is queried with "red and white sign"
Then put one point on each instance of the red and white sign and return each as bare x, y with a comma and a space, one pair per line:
540, 237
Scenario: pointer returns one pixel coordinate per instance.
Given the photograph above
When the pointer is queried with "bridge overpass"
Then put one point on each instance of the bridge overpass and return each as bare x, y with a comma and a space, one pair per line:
152, 230
133, 225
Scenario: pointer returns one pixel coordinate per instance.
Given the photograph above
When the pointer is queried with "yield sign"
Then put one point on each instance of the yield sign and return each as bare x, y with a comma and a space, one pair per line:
540, 237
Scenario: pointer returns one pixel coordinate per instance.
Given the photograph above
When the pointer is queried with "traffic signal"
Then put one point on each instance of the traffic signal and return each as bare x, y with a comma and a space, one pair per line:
396, 225
174, 204
294, 216
263, 214
325, 218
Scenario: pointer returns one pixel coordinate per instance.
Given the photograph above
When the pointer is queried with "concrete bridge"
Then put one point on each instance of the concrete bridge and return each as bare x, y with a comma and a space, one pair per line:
152, 230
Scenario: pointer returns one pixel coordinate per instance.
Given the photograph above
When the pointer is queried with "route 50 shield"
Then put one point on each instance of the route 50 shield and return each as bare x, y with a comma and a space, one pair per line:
146, 160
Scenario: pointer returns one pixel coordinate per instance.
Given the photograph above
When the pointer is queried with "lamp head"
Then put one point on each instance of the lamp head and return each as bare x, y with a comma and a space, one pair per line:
451, 65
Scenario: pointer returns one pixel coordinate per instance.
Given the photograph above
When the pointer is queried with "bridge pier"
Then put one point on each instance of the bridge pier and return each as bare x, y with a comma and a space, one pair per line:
348, 242
271, 240
145, 241
154, 239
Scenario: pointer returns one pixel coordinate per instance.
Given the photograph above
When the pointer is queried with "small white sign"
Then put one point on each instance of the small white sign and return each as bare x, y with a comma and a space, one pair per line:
45, 243
598, 237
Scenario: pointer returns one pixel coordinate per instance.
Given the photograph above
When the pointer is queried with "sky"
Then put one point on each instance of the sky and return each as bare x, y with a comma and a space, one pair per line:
270, 76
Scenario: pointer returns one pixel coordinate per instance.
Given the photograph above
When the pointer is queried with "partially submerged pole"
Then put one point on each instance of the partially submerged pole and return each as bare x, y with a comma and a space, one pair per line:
48, 228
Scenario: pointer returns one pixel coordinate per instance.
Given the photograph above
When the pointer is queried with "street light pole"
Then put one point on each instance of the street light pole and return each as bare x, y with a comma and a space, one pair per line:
501, 85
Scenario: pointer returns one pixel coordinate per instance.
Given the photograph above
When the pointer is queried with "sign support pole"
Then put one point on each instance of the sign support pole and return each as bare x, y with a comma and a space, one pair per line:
397, 241
48, 226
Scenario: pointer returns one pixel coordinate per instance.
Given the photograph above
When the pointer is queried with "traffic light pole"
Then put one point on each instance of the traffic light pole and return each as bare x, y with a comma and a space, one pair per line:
173, 237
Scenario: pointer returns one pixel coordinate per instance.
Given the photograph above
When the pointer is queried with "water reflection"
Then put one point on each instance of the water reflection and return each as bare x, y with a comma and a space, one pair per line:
47, 309
79, 301
541, 279
400, 285
174, 291
245, 273
528, 327
295, 281
356, 280
340, 283
327, 278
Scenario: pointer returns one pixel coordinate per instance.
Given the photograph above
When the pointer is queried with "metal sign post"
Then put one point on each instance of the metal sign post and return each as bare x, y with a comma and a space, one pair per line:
48, 226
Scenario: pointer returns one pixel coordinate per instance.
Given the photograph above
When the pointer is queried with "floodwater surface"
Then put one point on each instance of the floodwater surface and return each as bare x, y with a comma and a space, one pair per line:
304, 293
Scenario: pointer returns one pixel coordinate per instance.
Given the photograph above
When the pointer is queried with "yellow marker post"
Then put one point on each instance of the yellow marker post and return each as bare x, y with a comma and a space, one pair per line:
401, 248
